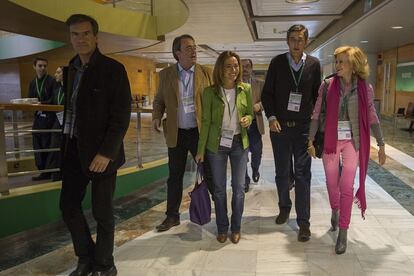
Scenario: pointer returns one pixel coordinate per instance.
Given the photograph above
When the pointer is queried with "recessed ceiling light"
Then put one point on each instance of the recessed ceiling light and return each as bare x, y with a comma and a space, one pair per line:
301, 1
305, 8
364, 41
397, 27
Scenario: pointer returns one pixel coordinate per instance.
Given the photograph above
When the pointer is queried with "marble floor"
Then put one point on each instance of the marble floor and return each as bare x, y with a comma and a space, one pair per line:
382, 244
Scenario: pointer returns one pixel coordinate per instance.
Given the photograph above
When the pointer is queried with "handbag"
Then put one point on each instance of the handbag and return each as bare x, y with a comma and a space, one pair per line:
320, 133
200, 205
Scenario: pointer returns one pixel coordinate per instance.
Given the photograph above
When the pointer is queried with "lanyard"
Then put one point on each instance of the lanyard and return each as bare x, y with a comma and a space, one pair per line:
297, 81
39, 91
59, 98
228, 103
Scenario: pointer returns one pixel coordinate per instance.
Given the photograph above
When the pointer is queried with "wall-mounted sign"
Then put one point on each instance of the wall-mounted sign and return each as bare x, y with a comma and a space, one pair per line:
405, 77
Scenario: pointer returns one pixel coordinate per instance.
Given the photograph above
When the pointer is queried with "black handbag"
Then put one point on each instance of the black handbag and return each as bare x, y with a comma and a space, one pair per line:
320, 134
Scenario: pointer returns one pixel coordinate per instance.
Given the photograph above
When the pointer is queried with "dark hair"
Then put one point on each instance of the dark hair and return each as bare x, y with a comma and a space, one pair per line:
298, 28
176, 46
218, 71
249, 60
39, 59
80, 18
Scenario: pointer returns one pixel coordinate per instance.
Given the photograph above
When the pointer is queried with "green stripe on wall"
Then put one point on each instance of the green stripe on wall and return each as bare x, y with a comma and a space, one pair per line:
26, 212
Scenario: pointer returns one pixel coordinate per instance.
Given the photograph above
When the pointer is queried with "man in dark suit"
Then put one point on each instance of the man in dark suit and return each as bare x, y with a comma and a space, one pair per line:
96, 118
41, 87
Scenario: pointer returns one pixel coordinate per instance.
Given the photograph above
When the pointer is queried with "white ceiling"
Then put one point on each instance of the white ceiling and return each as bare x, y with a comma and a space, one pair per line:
375, 28
219, 25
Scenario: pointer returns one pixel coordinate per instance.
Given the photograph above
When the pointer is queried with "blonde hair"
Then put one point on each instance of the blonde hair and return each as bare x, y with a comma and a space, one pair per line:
218, 71
357, 58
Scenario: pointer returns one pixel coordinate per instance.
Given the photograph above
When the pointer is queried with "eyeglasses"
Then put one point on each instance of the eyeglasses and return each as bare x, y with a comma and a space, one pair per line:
300, 41
192, 48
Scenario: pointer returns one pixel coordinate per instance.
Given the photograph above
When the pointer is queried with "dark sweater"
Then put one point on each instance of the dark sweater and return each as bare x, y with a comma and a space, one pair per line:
47, 89
279, 83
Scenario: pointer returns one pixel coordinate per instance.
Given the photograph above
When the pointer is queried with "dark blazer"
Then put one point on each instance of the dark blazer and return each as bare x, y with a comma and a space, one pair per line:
103, 110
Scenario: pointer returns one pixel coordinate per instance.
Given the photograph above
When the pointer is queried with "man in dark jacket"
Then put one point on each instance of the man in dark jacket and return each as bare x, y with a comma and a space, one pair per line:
288, 98
96, 118
41, 87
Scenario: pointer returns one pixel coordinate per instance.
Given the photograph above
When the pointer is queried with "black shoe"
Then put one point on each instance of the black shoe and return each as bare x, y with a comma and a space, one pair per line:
82, 270
41, 176
109, 272
167, 224
283, 217
256, 176
334, 220
247, 180
246, 187
341, 242
304, 234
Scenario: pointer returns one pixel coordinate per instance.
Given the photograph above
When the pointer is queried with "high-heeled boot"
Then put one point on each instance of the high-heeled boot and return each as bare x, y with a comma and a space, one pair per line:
341, 242
334, 219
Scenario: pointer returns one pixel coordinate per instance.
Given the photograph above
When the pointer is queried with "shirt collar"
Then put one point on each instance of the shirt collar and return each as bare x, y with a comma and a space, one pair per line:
292, 61
181, 69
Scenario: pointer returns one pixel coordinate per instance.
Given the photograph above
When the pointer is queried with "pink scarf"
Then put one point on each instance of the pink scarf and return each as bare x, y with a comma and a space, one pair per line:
331, 132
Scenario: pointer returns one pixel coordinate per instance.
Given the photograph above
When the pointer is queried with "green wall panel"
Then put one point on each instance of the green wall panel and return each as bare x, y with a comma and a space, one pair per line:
26, 212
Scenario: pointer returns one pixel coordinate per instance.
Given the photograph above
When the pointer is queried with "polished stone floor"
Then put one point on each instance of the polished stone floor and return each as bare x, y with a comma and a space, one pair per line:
382, 244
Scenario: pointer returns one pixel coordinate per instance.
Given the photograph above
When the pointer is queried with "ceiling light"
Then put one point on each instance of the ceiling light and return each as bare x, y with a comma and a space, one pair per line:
364, 41
305, 8
397, 27
301, 1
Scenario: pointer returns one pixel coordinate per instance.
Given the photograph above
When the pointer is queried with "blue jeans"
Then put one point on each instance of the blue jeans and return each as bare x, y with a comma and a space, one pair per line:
218, 164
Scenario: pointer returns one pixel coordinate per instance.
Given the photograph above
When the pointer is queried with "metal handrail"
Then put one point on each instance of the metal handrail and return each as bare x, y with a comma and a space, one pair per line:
15, 132
30, 131
32, 151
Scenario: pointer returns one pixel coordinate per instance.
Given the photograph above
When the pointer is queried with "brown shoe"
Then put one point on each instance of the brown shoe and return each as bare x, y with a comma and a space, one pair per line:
167, 224
235, 237
222, 238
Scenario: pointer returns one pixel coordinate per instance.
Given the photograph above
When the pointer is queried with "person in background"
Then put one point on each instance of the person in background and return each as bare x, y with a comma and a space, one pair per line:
288, 98
56, 137
179, 95
96, 118
41, 87
256, 129
227, 113
350, 113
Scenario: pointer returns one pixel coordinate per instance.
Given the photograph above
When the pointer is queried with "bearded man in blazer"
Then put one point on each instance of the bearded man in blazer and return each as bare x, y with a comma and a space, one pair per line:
179, 96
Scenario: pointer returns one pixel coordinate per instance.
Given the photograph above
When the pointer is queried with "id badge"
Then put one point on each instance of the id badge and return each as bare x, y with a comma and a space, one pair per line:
59, 116
188, 103
344, 130
295, 99
226, 138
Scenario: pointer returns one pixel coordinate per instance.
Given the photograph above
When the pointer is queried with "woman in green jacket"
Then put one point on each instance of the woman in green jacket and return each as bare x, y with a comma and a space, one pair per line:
227, 113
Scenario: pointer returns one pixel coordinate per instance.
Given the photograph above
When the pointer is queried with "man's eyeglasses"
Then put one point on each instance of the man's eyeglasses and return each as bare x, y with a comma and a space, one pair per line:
300, 41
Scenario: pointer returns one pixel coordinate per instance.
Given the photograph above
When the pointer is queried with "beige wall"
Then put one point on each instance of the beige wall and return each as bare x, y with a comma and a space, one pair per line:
398, 98
141, 74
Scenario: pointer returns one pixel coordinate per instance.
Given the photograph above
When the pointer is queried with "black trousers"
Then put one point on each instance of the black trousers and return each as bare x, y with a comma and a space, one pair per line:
187, 141
42, 140
293, 141
74, 183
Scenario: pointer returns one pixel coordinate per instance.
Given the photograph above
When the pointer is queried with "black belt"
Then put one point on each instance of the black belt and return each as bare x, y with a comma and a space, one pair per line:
187, 129
293, 123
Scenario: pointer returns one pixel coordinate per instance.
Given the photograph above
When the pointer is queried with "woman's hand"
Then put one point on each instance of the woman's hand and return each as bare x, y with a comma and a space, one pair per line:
311, 149
381, 155
245, 122
199, 158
